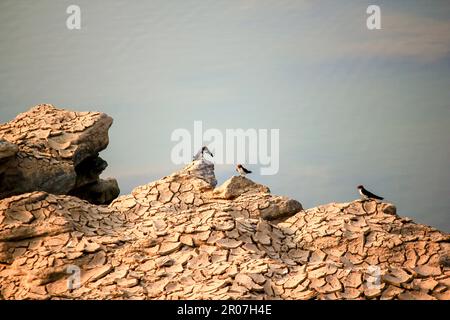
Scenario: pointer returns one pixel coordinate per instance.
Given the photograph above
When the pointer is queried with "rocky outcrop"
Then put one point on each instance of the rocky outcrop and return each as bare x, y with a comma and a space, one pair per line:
178, 238
237, 186
202, 169
256, 199
57, 151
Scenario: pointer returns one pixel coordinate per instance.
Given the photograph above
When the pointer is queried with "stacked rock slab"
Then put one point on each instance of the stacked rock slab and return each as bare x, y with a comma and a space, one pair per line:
179, 238
55, 150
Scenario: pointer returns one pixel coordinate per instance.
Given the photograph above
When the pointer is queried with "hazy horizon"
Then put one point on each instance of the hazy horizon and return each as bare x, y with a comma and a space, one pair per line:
354, 106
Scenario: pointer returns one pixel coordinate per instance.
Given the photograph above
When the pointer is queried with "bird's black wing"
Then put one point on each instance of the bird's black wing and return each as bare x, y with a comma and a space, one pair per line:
246, 171
373, 196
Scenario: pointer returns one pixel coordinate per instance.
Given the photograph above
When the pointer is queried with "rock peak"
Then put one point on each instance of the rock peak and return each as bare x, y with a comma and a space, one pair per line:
202, 169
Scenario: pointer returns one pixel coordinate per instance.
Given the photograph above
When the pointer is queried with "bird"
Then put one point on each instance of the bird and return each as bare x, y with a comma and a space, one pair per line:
367, 194
242, 171
199, 154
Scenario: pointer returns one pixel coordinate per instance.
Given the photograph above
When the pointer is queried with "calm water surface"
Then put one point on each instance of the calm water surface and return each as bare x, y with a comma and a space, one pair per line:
353, 106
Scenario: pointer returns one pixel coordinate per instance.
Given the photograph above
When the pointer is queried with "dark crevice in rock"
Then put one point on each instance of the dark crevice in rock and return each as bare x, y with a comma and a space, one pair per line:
98, 192
89, 170
88, 184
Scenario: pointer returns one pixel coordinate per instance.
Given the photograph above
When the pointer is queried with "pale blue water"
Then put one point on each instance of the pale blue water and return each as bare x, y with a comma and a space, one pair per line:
353, 106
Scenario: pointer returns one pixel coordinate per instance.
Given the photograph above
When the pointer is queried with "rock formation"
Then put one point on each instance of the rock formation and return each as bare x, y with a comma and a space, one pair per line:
180, 238
55, 150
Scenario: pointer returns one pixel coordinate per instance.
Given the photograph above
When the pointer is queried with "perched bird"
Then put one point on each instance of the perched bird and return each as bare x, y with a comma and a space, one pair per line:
199, 154
242, 171
367, 194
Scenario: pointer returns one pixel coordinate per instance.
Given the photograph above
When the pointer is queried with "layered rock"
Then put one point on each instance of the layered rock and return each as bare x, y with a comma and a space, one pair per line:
178, 238
57, 151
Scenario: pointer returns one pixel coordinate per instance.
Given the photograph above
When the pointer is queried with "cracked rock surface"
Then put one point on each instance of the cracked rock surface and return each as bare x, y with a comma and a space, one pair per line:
180, 238
56, 151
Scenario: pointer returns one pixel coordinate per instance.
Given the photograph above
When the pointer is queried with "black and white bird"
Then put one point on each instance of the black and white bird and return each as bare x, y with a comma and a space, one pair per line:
199, 154
367, 194
242, 171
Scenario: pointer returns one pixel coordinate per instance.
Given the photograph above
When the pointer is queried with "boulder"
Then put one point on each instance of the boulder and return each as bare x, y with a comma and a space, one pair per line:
237, 186
56, 151
280, 208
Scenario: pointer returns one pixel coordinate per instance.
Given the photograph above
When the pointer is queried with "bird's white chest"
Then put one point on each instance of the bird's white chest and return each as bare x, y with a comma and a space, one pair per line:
241, 171
362, 194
